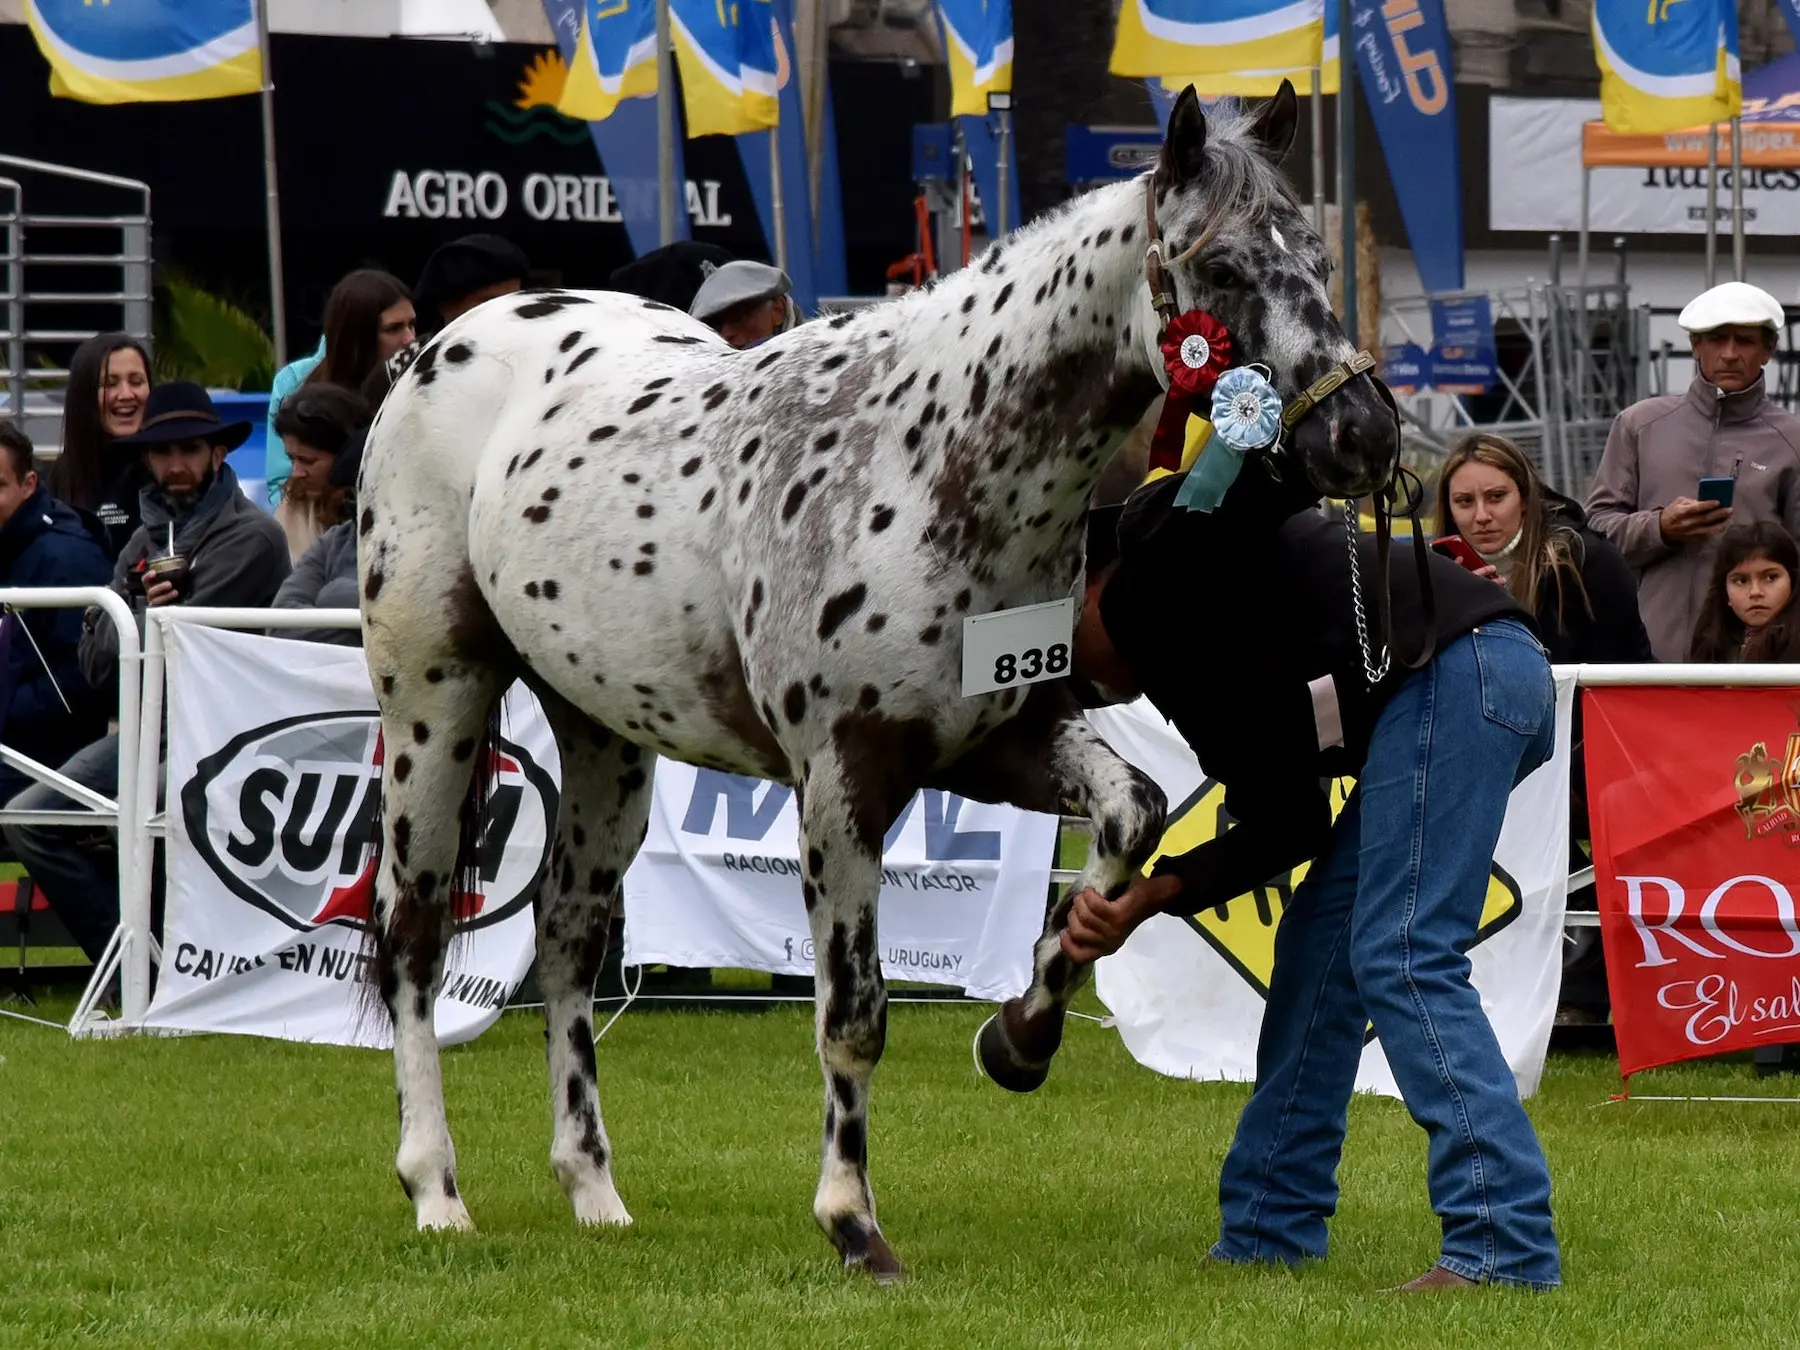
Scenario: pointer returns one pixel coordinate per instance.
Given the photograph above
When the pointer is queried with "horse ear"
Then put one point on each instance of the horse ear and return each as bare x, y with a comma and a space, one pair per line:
1277, 122
1184, 148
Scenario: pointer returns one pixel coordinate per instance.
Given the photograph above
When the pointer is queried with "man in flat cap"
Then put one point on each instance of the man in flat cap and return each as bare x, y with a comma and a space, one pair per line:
745, 302
1647, 496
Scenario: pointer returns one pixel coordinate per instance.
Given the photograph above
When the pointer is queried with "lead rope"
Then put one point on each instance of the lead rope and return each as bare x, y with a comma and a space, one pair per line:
1374, 673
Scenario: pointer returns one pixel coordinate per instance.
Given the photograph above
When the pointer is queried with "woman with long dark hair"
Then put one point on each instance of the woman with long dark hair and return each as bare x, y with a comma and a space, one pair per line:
1752, 606
368, 317
109, 380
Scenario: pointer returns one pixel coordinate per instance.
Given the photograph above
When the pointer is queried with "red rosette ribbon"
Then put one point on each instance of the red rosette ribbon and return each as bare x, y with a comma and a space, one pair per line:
1196, 350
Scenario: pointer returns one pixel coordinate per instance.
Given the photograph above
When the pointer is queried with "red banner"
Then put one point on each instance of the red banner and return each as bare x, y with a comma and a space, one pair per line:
1694, 796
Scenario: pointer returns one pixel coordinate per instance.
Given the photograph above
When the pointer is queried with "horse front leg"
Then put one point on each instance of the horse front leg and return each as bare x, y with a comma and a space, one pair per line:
850, 795
1047, 757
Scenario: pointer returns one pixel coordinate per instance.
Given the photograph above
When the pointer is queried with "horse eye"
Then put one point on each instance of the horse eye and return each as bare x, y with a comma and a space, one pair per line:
1224, 276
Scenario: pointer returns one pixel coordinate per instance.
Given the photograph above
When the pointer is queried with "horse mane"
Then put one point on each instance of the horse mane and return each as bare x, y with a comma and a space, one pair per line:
1242, 184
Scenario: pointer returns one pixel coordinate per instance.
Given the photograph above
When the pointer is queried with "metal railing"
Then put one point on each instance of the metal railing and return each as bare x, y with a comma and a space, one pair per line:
132, 942
45, 293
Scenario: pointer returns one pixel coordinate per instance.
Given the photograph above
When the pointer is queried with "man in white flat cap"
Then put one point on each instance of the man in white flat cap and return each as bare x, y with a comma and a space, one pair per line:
1647, 497
745, 302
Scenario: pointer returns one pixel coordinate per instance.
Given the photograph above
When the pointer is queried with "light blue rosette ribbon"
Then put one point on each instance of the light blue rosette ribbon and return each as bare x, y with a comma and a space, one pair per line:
1246, 415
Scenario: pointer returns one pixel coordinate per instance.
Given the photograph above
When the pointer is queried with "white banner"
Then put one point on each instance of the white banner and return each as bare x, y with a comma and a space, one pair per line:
1187, 995
274, 789
1534, 181
963, 895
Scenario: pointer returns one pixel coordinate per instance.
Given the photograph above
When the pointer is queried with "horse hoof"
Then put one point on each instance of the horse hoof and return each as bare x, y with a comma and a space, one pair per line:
878, 1262
445, 1214
995, 1057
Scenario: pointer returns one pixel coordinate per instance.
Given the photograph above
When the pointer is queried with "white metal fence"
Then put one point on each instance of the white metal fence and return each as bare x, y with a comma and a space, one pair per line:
139, 820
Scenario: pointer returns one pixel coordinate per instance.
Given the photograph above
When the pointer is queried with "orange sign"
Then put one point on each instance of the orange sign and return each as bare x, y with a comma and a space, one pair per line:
1766, 145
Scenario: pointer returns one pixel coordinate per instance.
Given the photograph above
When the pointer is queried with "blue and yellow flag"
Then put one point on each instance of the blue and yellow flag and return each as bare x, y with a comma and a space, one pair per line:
148, 51
1193, 38
1263, 83
615, 58
731, 64
978, 43
1667, 65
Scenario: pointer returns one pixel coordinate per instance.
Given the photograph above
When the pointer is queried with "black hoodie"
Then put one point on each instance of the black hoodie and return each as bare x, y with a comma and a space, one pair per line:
1240, 626
1606, 626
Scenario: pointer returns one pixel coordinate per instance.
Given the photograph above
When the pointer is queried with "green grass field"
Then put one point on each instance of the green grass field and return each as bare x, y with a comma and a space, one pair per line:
229, 1192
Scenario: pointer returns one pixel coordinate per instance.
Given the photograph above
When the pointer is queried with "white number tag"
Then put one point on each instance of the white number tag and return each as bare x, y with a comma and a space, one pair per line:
1011, 647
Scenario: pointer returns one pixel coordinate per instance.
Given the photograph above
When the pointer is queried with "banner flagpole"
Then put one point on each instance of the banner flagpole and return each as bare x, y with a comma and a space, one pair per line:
272, 192
1347, 165
665, 124
1712, 206
778, 198
1318, 147
1737, 199
819, 45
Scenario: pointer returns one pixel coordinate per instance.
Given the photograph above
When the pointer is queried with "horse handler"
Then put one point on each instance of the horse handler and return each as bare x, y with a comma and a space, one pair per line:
1276, 686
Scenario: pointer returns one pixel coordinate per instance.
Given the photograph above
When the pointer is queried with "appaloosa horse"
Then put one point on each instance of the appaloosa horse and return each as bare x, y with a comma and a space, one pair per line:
759, 561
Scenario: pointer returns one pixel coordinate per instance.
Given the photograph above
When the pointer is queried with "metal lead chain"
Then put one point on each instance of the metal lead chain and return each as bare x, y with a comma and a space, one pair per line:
1374, 673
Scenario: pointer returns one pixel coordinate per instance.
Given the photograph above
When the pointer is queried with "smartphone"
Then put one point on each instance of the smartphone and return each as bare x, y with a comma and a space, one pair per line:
1717, 490
1459, 550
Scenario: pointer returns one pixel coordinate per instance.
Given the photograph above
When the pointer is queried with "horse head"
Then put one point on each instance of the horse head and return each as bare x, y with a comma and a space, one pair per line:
1237, 244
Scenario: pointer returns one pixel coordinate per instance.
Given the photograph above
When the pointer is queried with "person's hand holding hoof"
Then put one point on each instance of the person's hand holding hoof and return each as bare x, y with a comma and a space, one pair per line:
1098, 927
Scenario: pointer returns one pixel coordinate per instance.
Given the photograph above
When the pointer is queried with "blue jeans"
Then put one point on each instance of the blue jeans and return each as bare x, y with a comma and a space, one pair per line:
1378, 932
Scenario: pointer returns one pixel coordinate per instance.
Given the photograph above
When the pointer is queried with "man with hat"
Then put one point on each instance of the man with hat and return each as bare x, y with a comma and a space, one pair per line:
1646, 495
670, 275
745, 302
202, 542
469, 271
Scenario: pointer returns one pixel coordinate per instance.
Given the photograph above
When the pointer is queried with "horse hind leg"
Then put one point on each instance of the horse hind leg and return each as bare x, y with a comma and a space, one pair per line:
436, 684
600, 824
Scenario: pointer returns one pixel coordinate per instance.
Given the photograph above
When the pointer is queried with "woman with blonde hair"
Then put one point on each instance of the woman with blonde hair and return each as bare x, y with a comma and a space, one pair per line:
1537, 544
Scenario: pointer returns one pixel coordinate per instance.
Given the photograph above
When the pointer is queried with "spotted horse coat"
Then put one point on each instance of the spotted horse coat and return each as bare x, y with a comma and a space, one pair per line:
758, 561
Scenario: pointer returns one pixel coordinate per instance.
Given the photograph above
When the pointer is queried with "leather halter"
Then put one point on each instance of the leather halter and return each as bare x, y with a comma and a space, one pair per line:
1386, 501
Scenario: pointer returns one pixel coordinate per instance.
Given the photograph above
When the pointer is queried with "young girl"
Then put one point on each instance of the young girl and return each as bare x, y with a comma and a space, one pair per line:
1749, 613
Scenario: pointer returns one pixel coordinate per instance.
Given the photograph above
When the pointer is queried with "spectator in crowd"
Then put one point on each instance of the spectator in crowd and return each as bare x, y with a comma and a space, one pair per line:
314, 424
670, 275
1269, 691
1538, 544
50, 712
1645, 496
235, 555
1540, 547
1752, 613
1750, 609
746, 303
325, 577
467, 272
369, 316
109, 380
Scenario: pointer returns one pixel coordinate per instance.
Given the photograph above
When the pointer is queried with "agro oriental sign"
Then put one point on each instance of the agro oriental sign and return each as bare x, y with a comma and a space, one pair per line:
454, 194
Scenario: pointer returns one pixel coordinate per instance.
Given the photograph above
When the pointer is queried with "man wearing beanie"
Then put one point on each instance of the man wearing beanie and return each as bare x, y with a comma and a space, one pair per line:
467, 271
671, 274
1646, 495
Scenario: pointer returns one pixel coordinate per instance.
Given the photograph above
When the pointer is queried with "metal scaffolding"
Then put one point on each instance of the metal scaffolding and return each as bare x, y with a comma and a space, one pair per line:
64, 276
1570, 359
